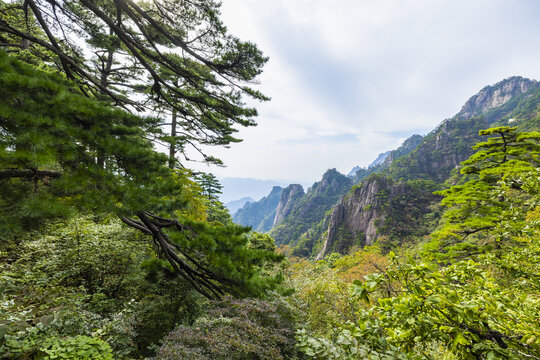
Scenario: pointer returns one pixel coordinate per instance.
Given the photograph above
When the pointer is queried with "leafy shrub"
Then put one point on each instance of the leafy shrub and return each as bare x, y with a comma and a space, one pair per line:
235, 329
77, 348
170, 303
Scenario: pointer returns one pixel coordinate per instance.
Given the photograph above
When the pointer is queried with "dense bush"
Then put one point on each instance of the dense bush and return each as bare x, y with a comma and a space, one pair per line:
87, 278
235, 330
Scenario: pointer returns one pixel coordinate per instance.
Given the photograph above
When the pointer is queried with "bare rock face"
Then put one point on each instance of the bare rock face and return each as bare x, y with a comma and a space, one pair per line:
496, 95
378, 207
289, 195
356, 214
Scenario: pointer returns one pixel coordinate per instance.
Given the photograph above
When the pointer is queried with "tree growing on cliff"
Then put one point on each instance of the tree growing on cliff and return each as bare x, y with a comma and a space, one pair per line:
494, 204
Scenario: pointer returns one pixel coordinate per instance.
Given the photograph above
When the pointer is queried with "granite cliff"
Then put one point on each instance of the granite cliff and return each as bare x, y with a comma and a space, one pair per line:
288, 198
398, 202
260, 214
297, 212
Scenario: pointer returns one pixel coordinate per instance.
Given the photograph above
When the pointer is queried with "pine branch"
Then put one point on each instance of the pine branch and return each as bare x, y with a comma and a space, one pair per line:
29, 174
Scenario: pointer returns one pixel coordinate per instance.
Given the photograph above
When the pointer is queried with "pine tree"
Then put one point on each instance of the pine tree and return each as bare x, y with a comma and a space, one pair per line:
51, 140
494, 201
175, 58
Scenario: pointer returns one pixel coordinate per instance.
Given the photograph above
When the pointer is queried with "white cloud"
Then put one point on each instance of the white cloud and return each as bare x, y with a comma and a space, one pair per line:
375, 70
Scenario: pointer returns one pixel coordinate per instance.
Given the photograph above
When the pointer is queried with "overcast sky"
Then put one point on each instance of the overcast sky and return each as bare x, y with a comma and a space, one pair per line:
350, 79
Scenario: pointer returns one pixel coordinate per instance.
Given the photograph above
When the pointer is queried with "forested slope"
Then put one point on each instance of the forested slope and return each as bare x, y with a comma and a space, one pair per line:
392, 214
260, 214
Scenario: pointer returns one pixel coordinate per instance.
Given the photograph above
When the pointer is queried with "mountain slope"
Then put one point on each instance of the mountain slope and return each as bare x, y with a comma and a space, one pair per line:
297, 214
260, 214
234, 205
407, 183
385, 159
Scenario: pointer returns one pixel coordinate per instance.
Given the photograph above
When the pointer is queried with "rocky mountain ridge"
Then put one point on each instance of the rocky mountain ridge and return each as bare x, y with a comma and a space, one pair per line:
493, 96
260, 214
295, 215
409, 181
393, 199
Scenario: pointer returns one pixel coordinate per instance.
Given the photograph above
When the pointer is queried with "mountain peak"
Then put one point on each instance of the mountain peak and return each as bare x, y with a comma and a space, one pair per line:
276, 189
493, 96
330, 172
289, 195
353, 171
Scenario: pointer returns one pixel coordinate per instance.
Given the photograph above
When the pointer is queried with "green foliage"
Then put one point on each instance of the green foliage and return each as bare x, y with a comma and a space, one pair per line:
322, 296
167, 302
55, 284
60, 131
484, 304
496, 201
77, 348
350, 343
261, 242
235, 330
462, 308
225, 248
409, 213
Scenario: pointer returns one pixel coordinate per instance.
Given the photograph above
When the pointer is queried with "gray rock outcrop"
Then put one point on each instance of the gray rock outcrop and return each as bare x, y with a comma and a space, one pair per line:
289, 195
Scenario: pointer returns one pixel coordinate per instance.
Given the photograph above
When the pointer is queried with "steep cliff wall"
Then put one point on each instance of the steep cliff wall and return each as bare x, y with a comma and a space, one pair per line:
379, 207
290, 195
260, 214
295, 215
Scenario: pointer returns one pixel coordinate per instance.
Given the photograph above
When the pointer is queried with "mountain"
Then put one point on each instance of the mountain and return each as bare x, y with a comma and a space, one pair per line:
379, 207
378, 161
260, 214
391, 201
297, 212
397, 204
237, 188
234, 205
386, 158
354, 170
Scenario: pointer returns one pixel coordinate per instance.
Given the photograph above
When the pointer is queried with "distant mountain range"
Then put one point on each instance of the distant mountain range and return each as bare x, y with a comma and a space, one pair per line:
234, 205
391, 201
239, 188
378, 161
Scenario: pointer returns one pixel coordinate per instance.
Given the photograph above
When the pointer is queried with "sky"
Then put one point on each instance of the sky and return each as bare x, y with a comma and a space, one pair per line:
350, 79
